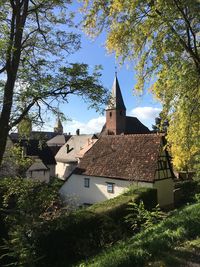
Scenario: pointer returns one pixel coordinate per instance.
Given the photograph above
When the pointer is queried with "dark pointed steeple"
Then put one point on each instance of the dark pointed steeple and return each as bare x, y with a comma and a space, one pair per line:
116, 100
116, 111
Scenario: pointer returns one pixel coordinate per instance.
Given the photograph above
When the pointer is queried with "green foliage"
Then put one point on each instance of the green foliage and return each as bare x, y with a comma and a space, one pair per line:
140, 218
83, 233
162, 38
40, 233
161, 124
152, 243
185, 192
25, 206
34, 70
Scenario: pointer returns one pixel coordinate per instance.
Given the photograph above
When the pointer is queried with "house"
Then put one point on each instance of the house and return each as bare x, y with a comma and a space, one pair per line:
38, 171
38, 151
116, 120
43, 166
68, 156
41, 147
115, 162
57, 142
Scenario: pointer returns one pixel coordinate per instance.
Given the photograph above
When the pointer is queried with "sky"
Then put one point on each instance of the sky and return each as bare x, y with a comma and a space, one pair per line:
93, 52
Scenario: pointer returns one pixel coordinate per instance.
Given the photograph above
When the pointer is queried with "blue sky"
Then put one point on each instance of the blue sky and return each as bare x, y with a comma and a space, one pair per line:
94, 53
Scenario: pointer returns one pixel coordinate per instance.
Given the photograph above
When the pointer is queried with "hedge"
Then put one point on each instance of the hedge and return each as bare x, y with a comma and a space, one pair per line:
83, 233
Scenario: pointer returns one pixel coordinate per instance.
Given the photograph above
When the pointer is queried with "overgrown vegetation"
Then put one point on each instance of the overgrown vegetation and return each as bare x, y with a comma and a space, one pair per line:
25, 205
39, 232
154, 244
140, 218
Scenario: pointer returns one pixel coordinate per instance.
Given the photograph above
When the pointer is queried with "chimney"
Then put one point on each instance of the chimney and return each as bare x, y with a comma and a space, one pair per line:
78, 132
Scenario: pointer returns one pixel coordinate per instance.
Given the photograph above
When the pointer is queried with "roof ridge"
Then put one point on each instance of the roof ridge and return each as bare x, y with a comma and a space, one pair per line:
125, 135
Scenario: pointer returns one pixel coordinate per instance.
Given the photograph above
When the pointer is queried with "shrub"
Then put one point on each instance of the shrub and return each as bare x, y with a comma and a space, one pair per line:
152, 243
185, 192
141, 218
85, 232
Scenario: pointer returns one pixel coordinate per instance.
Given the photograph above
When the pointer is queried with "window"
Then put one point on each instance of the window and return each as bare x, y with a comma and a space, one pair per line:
110, 114
110, 187
86, 182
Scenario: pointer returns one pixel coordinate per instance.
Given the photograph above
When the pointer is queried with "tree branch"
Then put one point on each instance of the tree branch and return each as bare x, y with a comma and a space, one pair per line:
3, 69
23, 113
182, 42
189, 25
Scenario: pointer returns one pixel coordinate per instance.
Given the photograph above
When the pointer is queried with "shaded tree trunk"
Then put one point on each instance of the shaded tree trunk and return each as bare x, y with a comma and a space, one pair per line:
18, 20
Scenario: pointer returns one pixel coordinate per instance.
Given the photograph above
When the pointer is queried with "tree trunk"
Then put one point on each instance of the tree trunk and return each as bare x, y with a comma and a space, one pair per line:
19, 15
5, 114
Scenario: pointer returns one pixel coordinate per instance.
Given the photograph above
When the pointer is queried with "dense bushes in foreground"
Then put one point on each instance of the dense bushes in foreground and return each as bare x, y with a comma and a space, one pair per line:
39, 232
85, 232
153, 243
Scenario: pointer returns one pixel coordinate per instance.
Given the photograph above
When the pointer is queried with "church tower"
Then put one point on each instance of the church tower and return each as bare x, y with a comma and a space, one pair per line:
58, 127
116, 111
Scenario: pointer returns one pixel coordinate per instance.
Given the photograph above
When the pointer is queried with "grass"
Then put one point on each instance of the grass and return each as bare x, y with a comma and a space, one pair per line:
167, 244
133, 194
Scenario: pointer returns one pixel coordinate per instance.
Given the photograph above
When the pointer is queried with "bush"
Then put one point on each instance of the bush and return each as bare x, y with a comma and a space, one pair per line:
153, 243
41, 234
25, 206
141, 218
185, 192
85, 232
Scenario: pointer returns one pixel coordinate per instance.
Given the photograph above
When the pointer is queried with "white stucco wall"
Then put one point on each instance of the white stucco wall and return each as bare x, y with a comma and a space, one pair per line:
165, 192
97, 192
63, 170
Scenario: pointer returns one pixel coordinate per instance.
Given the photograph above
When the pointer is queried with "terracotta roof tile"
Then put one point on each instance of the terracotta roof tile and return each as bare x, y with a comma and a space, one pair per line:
129, 157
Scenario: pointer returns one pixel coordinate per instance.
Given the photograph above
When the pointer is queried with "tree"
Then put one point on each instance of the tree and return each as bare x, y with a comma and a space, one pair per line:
26, 206
34, 45
161, 124
163, 38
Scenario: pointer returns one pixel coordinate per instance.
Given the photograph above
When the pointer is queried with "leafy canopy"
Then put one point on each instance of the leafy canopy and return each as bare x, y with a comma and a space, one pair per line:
162, 37
35, 41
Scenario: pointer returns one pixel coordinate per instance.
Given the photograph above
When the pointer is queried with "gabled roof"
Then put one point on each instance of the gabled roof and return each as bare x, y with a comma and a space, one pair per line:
58, 140
35, 148
128, 157
116, 100
15, 137
86, 147
133, 126
38, 166
69, 151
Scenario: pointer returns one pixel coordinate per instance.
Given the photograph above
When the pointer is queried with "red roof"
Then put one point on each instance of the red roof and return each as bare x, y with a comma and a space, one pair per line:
128, 157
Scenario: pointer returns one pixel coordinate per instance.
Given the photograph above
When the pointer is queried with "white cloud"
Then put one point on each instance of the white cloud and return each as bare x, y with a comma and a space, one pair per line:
92, 126
145, 113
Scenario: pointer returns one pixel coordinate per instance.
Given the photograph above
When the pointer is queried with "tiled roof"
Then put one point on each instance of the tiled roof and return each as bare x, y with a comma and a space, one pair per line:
38, 166
35, 148
129, 157
34, 135
58, 140
133, 126
69, 151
